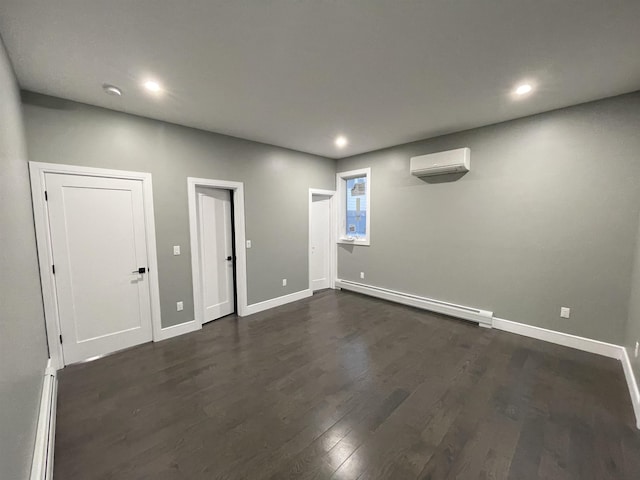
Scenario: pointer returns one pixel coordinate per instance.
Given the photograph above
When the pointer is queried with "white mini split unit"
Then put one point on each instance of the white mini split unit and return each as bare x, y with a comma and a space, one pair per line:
442, 163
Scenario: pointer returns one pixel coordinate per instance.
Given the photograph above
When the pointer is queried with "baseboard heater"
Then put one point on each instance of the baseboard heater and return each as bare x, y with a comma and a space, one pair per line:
483, 317
42, 464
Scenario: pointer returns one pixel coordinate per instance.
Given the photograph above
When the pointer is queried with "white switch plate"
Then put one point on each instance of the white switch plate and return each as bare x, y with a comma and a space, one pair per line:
179, 306
565, 312
176, 249
637, 347
248, 243
284, 282
361, 274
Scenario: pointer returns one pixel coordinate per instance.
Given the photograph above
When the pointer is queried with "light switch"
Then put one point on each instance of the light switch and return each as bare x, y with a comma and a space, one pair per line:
248, 243
565, 312
176, 249
179, 306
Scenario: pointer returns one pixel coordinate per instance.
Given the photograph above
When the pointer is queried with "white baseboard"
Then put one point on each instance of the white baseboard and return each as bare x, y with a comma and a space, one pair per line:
483, 317
632, 384
192, 326
559, 338
276, 302
42, 463
180, 329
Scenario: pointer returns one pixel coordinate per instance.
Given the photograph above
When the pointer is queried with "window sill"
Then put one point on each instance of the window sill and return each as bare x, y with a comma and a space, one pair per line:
353, 241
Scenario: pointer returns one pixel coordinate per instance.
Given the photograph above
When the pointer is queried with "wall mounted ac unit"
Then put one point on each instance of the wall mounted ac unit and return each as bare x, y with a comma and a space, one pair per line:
441, 163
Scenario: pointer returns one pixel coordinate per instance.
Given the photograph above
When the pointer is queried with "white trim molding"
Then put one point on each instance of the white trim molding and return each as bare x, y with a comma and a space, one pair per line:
278, 301
333, 250
241, 254
42, 462
565, 339
482, 317
341, 189
37, 171
632, 384
179, 329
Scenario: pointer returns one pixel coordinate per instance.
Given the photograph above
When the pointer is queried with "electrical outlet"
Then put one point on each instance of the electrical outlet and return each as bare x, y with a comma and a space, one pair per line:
176, 249
565, 312
179, 306
361, 274
637, 347
284, 282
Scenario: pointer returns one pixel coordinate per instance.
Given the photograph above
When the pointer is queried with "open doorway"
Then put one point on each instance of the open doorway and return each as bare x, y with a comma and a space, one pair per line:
218, 258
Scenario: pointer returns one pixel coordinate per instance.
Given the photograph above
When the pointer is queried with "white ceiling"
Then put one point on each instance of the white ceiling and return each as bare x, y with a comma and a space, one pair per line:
296, 73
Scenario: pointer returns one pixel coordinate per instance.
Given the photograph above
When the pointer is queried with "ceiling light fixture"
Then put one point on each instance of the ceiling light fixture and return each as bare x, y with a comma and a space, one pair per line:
341, 141
523, 89
152, 86
112, 90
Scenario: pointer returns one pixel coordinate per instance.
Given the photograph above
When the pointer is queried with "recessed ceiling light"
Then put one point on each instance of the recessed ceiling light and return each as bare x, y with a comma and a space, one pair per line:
112, 90
523, 89
152, 86
341, 141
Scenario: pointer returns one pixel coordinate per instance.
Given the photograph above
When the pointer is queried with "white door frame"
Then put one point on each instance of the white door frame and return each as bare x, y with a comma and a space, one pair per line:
333, 235
241, 255
37, 171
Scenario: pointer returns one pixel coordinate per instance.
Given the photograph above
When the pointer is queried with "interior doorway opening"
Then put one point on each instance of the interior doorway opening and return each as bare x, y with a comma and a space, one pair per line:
218, 255
216, 238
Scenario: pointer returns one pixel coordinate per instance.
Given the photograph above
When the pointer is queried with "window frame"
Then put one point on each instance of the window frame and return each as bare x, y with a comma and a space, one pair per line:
341, 188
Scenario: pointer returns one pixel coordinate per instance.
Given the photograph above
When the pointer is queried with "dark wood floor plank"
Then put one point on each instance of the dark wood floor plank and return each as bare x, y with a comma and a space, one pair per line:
346, 386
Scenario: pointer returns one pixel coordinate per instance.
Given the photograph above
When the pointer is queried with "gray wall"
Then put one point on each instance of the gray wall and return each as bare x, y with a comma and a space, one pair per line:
547, 217
276, 184
633, 322
23, 351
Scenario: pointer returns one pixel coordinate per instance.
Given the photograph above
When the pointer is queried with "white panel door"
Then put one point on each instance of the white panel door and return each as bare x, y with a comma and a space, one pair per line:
320, 242
98, 240
216, 252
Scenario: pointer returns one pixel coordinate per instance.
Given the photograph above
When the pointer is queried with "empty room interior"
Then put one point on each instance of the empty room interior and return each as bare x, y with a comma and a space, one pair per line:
319, 239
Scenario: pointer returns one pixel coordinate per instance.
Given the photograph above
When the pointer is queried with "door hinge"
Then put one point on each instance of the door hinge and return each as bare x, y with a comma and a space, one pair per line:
46, 196
60, 338
53, 269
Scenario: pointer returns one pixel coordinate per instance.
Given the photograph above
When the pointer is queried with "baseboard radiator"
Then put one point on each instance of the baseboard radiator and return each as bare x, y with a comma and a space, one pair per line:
483, 317
42, 464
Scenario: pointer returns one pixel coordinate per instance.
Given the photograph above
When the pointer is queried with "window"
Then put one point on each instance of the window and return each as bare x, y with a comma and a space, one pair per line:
354, 190
356, 208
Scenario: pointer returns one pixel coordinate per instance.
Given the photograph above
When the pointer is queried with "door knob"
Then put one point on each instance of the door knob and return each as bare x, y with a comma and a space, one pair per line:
229, 258
140, 271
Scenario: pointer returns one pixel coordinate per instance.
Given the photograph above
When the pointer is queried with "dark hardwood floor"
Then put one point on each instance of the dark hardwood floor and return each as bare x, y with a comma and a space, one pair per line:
344, 386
